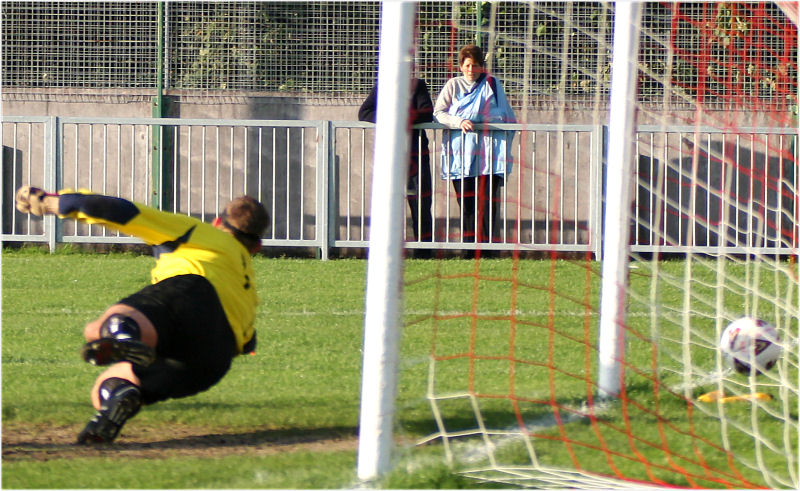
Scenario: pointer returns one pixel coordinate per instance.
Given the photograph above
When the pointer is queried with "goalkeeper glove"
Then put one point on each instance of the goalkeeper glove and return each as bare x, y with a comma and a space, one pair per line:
37, 201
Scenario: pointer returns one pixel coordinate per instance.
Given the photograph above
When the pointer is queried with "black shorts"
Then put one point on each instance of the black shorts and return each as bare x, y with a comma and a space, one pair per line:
195, 341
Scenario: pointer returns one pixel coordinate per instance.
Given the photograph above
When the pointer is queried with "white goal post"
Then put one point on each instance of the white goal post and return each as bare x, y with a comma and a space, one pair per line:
618, 184
383, 307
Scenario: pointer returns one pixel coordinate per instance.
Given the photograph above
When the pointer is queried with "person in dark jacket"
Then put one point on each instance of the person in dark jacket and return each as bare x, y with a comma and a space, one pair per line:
418, 190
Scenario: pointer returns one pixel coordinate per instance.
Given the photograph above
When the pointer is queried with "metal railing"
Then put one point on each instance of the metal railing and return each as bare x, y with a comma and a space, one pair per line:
705, 190
699, 190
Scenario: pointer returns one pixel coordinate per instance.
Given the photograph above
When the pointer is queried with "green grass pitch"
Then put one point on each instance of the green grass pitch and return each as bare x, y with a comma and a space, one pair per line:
286, 417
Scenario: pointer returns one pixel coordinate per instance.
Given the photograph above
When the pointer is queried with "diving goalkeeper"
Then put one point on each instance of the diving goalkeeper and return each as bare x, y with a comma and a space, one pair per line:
177, 336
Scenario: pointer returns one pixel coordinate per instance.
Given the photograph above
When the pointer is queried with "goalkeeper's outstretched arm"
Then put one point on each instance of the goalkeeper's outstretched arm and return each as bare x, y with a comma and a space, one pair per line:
151, 225
244, 218
80, 206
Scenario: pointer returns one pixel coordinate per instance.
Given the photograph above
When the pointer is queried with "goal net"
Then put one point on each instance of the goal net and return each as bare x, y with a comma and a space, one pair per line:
499, 370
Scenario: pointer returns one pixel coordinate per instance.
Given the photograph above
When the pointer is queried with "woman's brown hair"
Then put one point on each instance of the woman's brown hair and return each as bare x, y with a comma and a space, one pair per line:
470, 51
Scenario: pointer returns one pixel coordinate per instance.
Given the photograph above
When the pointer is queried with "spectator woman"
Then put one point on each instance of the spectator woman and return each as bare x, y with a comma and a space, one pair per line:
475, 161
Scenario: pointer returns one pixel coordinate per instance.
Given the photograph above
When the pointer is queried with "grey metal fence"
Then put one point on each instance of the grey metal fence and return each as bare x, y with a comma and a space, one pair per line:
29, 149
702, 190
197, 167
548, 201
696, 190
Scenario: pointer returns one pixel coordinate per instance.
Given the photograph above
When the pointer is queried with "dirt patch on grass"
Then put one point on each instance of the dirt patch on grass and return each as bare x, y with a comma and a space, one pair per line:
45, 442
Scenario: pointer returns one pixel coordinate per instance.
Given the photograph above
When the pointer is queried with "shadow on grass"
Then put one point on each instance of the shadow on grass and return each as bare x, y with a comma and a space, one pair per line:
42, 442
282, 437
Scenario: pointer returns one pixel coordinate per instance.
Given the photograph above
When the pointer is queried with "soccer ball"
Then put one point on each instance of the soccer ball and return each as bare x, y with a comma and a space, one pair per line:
749, 343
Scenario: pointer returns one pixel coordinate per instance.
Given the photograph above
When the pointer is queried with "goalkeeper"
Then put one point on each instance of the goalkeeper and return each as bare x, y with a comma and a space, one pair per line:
178, 336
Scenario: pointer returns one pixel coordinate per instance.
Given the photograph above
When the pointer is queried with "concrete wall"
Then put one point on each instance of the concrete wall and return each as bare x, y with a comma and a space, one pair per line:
133, 104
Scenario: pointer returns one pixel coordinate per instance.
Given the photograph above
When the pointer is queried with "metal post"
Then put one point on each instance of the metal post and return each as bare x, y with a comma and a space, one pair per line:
478, 23
161, 171
327, 200
54, 152
382, 319
616, 232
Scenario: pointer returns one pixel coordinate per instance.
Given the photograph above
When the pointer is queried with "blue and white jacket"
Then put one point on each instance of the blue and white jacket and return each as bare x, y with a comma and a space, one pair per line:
479, 152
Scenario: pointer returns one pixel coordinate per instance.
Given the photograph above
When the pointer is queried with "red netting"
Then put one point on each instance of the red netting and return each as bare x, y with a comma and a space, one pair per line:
514, 356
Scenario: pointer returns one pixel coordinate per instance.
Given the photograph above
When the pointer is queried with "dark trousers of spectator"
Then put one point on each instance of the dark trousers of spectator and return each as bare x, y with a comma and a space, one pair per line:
479, 199
419, 195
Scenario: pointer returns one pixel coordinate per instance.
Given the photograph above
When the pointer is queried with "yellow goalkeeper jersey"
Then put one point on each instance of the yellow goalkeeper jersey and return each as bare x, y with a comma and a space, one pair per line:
181, 245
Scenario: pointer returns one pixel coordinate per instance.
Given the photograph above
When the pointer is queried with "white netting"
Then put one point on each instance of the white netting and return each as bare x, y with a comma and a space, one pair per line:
509, 347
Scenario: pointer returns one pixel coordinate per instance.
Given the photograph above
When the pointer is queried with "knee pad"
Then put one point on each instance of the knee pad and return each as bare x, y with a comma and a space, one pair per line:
119, 326
112, 386
119, 400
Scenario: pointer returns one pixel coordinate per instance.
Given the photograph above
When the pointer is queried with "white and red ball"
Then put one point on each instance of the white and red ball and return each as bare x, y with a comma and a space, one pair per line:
750, 343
